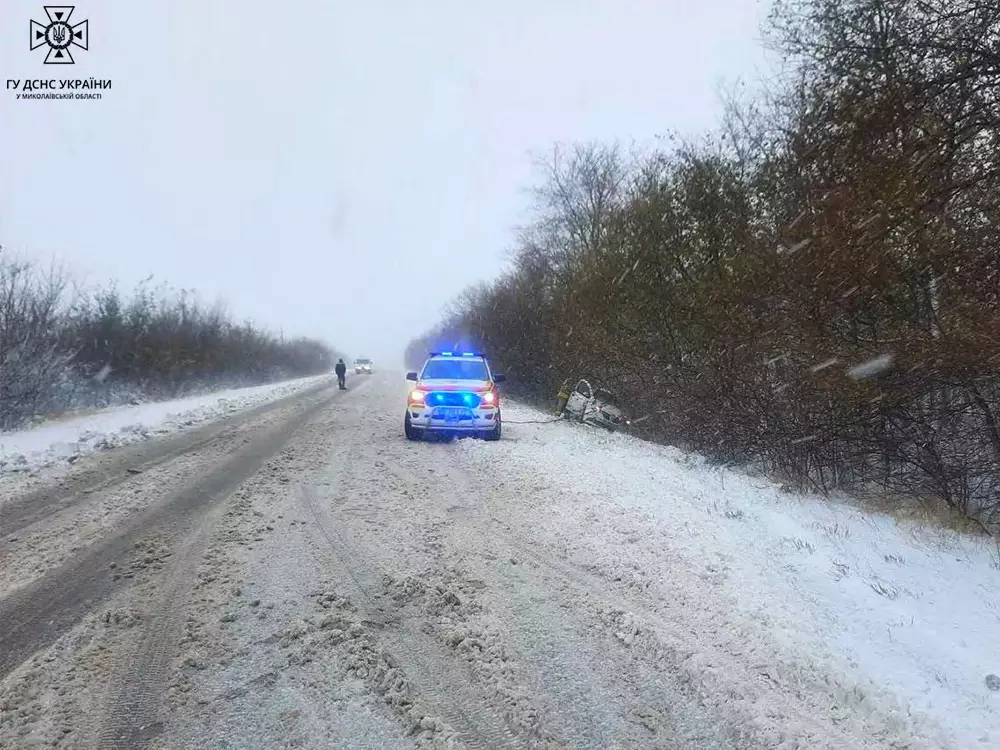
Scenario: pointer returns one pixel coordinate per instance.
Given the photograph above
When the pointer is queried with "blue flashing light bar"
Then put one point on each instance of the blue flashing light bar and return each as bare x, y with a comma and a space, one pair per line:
452, 398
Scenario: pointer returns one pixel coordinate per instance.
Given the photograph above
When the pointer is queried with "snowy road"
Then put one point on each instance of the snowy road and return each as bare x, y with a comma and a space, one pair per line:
301, 576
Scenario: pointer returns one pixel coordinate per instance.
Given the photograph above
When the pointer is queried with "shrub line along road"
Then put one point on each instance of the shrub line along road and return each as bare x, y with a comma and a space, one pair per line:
300, 575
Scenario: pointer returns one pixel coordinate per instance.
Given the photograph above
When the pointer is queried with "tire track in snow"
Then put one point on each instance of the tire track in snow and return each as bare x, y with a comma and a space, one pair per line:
441, 683
129, 462
131, 719
565, 648
34, 616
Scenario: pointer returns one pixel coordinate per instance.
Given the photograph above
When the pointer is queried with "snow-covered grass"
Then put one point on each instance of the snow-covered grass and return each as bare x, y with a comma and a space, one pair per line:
903, 613
63, 439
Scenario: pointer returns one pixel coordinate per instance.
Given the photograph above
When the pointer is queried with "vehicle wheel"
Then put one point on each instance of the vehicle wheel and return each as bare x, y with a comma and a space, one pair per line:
495, 433
412, 433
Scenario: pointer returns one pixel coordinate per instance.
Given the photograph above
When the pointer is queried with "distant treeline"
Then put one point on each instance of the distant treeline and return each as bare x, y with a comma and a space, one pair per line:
813, 289
63, 348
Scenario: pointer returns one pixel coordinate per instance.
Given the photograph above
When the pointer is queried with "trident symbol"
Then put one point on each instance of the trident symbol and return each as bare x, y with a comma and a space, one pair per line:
59, 34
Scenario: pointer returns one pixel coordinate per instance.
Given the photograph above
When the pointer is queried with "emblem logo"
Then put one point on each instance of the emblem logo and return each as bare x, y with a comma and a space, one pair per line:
59, 35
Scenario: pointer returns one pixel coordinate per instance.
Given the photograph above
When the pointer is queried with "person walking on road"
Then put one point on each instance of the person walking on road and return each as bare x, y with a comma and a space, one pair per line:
341, 370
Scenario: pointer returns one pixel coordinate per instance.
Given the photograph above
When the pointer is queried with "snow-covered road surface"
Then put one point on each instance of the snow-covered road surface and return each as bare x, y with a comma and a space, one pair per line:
305, 577
66, 439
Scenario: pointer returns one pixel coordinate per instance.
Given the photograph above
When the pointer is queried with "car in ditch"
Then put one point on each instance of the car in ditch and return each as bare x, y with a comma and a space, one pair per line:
595, 406
454, 394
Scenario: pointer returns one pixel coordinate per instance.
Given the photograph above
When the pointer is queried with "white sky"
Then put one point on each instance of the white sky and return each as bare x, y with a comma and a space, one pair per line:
337, 169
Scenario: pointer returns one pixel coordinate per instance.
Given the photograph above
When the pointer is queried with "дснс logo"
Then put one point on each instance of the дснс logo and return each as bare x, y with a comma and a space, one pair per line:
59, 35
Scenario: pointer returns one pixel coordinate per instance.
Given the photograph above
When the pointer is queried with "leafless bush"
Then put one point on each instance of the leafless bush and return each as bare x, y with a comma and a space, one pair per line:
33, 352
169, 344
101, 348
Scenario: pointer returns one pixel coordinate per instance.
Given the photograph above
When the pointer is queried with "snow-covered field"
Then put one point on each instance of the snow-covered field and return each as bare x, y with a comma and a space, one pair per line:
61, 440
904, 613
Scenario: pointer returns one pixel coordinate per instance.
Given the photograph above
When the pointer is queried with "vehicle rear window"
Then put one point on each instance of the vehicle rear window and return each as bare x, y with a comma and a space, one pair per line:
455, 369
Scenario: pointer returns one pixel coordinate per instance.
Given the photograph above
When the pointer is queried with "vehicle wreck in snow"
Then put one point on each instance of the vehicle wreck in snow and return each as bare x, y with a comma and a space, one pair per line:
590, 405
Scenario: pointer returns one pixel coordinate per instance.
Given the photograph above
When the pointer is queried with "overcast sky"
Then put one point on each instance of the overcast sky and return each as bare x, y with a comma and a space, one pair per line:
337, 169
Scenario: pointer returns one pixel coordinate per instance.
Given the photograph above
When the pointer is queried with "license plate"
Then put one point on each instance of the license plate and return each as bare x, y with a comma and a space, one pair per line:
451, 413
